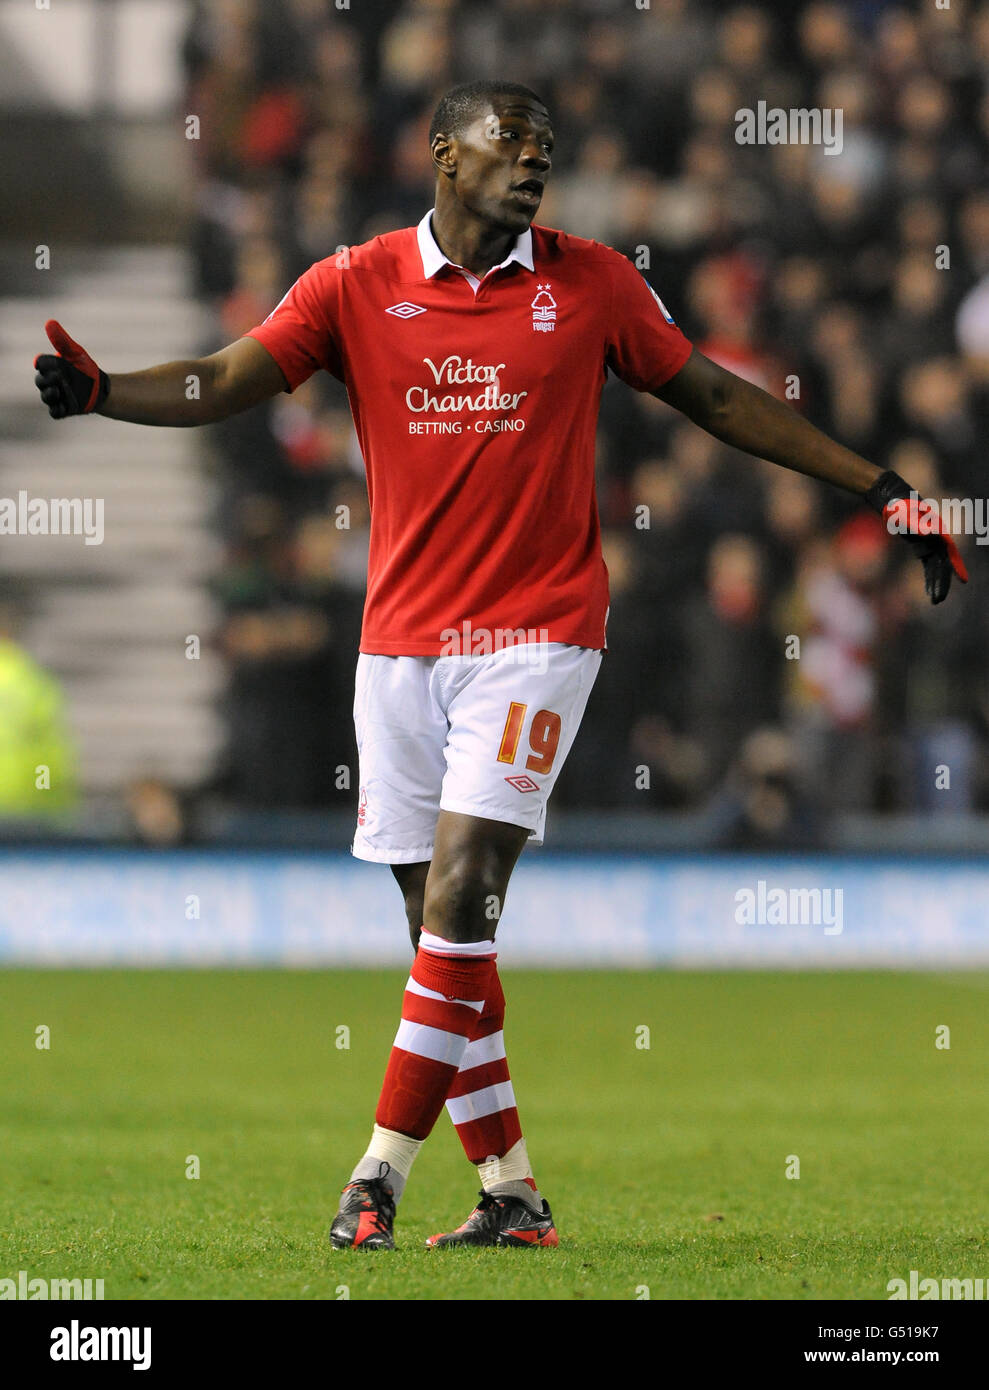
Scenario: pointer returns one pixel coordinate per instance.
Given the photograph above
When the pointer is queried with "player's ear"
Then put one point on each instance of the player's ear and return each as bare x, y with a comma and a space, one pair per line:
443, 151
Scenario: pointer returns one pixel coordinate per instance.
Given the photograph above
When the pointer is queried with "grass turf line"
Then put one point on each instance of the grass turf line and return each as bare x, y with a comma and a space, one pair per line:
665, 1166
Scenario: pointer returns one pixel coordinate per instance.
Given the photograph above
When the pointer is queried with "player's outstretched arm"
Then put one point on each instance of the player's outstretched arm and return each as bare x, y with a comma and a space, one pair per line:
194, 392
748, 418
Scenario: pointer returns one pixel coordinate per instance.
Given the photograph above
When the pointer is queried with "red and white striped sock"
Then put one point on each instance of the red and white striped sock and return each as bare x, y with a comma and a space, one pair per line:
481, 1104
444, 998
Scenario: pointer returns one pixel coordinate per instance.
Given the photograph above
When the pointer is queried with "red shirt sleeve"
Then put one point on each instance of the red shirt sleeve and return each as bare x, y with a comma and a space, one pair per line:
644, 346
302, 331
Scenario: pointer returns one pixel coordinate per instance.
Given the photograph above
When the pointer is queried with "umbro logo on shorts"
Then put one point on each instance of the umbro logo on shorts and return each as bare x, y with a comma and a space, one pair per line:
405, 310
522, 784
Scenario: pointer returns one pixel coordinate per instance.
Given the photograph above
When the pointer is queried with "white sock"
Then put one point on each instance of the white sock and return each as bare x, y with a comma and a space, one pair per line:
506, 1176
398, 1151
429, 942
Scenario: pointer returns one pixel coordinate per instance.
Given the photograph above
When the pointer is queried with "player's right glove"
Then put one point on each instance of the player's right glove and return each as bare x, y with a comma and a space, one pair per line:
70, 383
922, 529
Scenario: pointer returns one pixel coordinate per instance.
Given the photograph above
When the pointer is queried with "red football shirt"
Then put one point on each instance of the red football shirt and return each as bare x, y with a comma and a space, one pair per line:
476, 406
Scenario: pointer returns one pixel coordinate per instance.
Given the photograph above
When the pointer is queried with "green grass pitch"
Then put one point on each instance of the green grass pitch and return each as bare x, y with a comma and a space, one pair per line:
665, 1166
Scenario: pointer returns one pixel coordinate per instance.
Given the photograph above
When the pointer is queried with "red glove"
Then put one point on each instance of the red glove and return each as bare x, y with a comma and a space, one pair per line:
71, 383
922, 529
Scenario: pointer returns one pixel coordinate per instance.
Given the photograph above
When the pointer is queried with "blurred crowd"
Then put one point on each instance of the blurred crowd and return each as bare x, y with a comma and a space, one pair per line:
773, 660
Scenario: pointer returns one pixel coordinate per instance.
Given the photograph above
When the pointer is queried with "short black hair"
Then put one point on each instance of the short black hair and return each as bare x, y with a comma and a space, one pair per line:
461, 104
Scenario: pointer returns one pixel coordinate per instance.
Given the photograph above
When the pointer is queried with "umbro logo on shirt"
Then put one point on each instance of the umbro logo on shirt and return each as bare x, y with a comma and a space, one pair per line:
405, 310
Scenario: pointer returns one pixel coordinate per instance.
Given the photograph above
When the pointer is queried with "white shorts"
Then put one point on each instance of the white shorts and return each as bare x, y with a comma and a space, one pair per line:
482, 735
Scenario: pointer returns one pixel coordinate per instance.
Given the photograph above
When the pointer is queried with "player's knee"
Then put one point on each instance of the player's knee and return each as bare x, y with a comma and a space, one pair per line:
462, 901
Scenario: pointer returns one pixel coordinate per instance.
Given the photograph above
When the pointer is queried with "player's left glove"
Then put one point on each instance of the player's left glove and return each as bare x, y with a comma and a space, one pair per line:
923, 530
71, 383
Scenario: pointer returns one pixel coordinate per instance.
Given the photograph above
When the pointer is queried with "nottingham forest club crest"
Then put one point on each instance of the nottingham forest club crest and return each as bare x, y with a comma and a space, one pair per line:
543, 311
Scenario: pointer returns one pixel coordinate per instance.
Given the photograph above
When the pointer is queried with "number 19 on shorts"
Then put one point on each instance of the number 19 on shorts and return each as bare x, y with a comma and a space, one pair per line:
544, 737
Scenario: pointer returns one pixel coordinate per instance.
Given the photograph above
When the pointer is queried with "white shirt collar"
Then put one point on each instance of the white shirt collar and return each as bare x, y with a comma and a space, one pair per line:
433, 258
